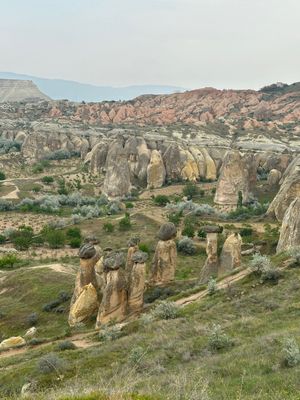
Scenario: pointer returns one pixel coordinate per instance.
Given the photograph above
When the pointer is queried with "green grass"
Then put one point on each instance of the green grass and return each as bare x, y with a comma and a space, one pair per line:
177, 360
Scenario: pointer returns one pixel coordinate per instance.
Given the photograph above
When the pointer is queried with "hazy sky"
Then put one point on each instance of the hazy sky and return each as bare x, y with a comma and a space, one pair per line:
187, 43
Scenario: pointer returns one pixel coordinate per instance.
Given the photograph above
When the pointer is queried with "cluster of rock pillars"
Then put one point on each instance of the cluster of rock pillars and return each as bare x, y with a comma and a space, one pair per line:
113, 285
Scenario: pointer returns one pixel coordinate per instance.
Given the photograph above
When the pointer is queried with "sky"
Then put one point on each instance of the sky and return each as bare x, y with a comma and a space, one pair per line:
187, 43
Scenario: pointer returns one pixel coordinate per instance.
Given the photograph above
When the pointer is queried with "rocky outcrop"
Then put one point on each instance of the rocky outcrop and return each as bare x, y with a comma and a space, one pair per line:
12, 342
113, 306
156, 172
210, 268
231, 254
14, 90
117, 179
137, 282
165, 257
133, 247
236, 175
290, 228
84, 301
274, 177
288, 192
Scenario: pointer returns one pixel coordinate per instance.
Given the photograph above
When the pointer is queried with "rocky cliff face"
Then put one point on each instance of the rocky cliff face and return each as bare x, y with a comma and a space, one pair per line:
165, 138
12, 90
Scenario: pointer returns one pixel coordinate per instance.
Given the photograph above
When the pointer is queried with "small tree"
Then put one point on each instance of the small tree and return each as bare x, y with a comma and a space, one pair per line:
8, 261
2, 176
161, 200
55, 239
108, 227
125, 223
47, 180
190, 190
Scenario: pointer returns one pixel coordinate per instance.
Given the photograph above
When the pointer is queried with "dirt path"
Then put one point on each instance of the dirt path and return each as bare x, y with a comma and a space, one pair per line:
14, 194
55, 267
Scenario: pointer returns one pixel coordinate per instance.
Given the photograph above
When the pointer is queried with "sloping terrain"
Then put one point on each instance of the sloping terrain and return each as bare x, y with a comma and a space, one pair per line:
18, 90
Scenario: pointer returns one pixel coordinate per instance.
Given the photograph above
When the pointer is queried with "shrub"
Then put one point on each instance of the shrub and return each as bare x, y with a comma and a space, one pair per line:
2, 176
175, 217
166, 310
201, 234
136, 355
76, 219
204, 209
108, 227
144, 247
262, 266
22, 238
73, 233
125, 223
50, 363
291, 353
47, 180
212, 286
128, 204
201, 193
109, 333
161, 200
6, 205
55, 239
75, 243
32, 319
188, 230
218, 340
66, 345
60, 154
190, 190
246, 231
37, 168
186, 246
2, 239
8, 261
295, 253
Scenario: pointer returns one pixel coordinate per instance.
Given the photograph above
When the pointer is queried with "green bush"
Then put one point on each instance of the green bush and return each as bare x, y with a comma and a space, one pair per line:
66, 345
2, 176
73, 233
188, 231
144, 247
190, 190
37, 168
175, 217
55, 238
50, 363
128, 204
246, 231
108, 227
125, 223
8, 261
212, 286
161, 200
218, 340
291, 353
166, 310
186, 246
2, 239
262, 266
47, 180
75, 243
109, 333
201, 234
22, 238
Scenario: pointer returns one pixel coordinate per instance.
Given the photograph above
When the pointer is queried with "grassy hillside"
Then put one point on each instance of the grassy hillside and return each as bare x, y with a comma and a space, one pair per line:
178, 358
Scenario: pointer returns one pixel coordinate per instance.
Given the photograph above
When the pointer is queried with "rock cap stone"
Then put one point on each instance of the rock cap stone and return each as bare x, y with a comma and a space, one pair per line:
212, 228
167, 231
87, 251
139, 257
114, 261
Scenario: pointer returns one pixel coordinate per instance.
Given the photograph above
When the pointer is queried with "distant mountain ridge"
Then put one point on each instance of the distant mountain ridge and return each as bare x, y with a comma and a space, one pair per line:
12, 90
75, 91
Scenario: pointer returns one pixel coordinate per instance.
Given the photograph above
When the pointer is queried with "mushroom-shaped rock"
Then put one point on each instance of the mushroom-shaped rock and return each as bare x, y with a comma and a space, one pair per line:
210, 268
167, 231
113, 306
87, 251
136, 282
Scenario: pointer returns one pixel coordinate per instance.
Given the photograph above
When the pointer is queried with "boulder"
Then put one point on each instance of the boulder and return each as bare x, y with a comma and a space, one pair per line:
274, 177
30, 333
290, 228
231, 254
156, 172
87, 251
12, 342
85, 305
234, 178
